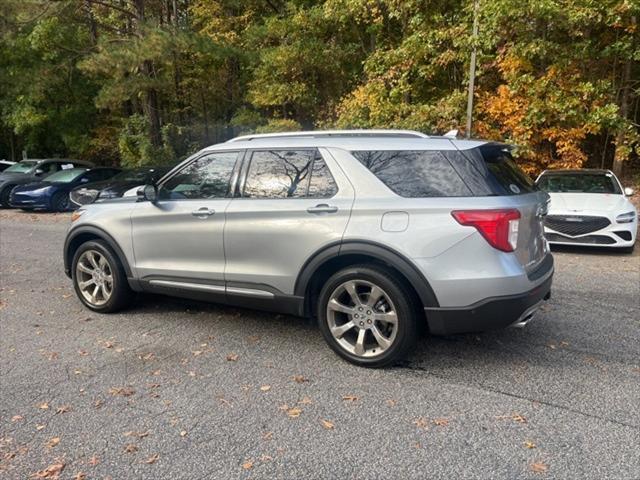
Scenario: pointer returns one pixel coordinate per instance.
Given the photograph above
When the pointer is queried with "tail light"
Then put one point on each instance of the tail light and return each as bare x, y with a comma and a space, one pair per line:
498, 227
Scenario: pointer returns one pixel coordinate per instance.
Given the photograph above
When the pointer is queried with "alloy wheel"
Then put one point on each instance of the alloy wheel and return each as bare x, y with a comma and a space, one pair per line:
94, 277
362, 318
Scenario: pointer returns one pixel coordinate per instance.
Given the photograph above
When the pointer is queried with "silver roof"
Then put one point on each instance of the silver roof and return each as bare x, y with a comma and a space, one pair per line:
349, 140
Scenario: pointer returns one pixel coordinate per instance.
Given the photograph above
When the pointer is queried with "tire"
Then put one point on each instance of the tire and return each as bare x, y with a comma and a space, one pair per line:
103, 302
5, 196
394, 296
60, 202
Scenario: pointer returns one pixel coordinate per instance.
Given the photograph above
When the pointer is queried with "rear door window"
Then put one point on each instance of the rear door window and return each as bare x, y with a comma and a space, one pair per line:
414, 174
288, 174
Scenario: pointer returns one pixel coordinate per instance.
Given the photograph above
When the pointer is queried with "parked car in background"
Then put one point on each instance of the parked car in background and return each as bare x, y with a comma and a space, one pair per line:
29, 171
589, 207
4, 164
116, 186
52, 193
374, 233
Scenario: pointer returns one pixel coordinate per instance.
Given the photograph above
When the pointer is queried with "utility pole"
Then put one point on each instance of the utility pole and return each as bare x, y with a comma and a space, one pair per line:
472, 69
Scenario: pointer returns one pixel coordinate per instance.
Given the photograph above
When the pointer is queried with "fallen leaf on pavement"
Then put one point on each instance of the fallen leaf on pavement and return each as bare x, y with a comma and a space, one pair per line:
294, 412
183, 433
39, 427
93, 461
43, 406
53, 442
421, 423
299, 379
152, 459
441, 422
52, 471
519, 418
136, 434
248, 465
349, 398
232, 357
130, 448
391, 403
267, 435
529, 444
328, 425
539, 467
16, 418
79, 476
122, 391
305, 401
265, 388
63, 409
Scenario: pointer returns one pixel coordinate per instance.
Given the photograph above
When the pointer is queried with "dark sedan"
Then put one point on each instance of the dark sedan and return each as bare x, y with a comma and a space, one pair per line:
33, 170
116, 186
53, 192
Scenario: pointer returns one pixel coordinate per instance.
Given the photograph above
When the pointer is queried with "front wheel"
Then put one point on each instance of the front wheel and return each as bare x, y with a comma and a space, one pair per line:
368, 316
5, 196
60, 202
99, 278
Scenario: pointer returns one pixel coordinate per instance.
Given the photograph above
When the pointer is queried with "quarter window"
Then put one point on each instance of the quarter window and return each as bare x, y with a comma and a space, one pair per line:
288, 174
205, 178
414, 173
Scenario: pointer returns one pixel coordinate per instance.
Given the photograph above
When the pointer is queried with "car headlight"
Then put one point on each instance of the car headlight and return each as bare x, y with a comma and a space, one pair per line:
83, 196
626, 217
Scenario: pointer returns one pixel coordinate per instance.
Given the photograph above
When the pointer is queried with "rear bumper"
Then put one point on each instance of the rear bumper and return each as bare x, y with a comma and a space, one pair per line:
491, 313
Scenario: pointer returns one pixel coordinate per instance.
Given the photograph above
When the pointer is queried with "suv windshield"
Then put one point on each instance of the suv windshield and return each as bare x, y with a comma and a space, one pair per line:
578, 182
65, 176
22, 167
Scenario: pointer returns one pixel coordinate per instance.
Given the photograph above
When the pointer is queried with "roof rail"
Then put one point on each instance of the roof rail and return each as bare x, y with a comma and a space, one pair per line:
332, 133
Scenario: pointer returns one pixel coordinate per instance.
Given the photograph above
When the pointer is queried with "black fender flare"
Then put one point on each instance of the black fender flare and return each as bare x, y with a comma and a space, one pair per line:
371, 249
98, 233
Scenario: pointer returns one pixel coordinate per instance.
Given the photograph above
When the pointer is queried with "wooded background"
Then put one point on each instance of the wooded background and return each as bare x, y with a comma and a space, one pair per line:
136, 82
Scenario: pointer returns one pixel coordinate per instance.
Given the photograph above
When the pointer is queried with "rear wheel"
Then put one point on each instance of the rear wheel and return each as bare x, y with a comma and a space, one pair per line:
99, 278
368, 316
5, 195
60, 202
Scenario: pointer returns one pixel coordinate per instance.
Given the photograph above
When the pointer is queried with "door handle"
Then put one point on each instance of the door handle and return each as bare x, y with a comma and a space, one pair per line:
322, 208
203, 212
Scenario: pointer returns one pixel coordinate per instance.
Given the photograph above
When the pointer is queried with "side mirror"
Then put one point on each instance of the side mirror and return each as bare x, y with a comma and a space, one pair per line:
84, 180
38, 172
148, 193
628, 191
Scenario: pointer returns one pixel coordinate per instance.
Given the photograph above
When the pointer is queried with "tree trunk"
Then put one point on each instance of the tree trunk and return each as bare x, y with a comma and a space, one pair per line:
618, 158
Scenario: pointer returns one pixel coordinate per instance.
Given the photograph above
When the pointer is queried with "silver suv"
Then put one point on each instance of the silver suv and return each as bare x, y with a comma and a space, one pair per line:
374, 232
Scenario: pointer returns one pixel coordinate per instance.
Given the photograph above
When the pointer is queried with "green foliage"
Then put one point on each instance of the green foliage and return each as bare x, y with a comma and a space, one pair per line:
114, 83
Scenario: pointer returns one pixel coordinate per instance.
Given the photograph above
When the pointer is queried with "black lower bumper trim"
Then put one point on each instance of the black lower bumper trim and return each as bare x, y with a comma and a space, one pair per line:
489, 314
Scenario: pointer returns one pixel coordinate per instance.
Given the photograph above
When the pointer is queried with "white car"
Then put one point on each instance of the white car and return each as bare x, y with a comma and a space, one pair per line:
590, 208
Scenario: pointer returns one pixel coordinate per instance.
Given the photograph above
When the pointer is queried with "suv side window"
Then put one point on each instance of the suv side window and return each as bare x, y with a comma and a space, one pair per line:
414, 174
288, 174
205, 178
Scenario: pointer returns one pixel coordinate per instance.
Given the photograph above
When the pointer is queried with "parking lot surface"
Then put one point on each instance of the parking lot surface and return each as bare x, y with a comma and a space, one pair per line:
178, 389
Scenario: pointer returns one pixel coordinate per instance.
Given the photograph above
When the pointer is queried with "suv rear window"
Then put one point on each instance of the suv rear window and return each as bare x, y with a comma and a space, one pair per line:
415, 173
491, 170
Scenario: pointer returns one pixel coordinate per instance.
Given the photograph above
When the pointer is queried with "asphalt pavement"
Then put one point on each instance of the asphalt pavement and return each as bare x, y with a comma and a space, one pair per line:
174, 389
